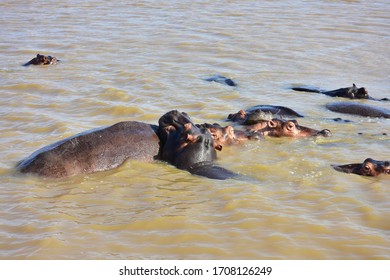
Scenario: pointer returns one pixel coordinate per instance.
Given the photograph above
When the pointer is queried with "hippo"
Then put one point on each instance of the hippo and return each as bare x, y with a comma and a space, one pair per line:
285, 128
348, 92
259, 112
189, 147
222, 80
95, 150
355, 108
228, 135
369, 167
177, 141
42, 60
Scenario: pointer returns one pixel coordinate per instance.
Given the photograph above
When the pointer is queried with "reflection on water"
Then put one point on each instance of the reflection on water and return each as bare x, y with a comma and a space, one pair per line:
124, 61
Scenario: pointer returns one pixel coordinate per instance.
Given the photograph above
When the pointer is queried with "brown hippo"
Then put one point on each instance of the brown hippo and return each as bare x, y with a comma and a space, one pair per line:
95, 150
285, 128
355, 108
348, 92
228, 135
369, 167
222, 80
189, 147
259, 112
42, 60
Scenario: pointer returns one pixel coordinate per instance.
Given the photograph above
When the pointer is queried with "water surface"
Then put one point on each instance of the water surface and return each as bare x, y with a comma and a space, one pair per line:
136, 61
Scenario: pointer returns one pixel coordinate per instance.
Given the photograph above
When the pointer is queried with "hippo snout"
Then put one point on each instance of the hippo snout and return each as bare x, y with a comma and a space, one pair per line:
325, 133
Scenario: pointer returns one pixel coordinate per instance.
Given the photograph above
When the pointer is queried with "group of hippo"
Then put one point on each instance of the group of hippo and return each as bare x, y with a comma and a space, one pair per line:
180, 142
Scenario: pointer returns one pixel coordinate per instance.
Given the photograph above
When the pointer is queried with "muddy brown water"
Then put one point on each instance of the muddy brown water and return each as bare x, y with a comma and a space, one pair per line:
126, 61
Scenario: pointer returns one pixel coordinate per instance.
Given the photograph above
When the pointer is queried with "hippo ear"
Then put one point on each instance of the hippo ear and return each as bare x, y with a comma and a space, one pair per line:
229, 130
187, 127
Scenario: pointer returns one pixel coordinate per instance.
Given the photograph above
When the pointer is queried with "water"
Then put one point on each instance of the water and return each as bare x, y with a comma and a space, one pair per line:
136, 61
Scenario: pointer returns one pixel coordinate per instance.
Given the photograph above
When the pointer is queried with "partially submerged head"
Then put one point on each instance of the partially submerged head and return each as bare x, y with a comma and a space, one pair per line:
358, 93
369, 167
42, 60
286, 128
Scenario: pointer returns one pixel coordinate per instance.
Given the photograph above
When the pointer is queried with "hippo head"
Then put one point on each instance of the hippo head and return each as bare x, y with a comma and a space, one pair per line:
358, 93
286, 128
42, 60
240, 116
369, 167
221, 135
183, 143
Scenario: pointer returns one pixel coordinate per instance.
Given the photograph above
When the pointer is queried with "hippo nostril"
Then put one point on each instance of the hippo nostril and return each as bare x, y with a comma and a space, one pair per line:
325, 133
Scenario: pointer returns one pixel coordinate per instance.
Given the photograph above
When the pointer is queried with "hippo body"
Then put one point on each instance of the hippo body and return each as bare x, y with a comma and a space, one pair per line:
42, 60
95, 150
359, 109
222, 80
369, 167
348, 92
259, 112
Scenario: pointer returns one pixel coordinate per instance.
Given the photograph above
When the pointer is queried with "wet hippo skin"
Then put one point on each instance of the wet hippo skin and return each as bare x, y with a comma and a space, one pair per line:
369, 167
360, 109
96, 150
42, 60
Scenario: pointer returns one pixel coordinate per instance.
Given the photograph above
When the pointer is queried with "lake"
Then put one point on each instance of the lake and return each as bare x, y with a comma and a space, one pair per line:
136, 60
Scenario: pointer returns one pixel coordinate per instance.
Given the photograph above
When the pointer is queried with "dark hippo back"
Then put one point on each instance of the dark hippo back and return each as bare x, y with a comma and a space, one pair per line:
356, 108
96, 150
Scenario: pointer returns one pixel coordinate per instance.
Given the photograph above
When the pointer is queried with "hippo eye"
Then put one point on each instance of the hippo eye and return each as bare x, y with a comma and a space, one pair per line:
367, 169
290, 125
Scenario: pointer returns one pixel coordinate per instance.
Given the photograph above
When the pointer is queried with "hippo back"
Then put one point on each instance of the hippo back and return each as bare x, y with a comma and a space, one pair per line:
355, 108
95, 150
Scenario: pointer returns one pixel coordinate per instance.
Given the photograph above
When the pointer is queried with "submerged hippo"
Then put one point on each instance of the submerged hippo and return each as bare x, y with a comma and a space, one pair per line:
355, 108
95, 150
285, 128
259, 112
222, 80
176, 141
189, 147
348, 92
369, 167
42, 60
228, 135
